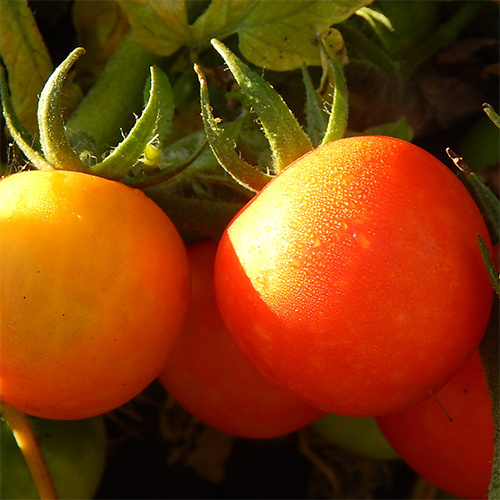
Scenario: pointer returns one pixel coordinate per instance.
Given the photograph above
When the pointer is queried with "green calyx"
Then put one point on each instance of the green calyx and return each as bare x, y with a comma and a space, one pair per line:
55, 145
287, 139
56, 151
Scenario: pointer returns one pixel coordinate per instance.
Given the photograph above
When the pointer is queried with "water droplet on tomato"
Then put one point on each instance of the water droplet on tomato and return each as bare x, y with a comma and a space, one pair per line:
362, 239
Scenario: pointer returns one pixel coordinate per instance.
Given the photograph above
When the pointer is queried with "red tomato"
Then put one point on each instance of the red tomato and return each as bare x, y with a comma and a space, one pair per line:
354, 279
449, 440
212, 380
94, 291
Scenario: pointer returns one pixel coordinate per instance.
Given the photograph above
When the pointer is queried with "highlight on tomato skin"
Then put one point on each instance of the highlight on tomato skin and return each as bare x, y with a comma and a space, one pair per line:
448, 439
354, 279
208, 376
94, 291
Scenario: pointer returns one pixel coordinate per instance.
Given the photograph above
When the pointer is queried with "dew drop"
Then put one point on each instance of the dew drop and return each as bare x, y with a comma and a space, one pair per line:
362, 239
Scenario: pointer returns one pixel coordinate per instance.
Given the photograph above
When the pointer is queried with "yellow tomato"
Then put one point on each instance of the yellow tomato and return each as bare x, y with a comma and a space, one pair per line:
94, 289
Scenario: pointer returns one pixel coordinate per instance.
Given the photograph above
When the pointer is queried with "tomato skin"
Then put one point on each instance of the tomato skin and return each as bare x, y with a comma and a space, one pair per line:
94, 290
455, 455
211, 379
354, 278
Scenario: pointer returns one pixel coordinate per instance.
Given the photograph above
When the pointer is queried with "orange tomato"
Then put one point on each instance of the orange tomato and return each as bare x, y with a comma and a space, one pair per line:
94, 289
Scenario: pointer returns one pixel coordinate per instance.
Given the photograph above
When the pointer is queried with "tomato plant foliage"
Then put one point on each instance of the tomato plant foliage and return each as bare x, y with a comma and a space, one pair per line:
354, 278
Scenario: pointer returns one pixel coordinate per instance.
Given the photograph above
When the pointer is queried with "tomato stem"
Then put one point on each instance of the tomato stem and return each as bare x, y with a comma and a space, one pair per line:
28, 443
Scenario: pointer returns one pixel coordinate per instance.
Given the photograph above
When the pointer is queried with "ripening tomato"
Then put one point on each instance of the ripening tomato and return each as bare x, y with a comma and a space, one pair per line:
448, 439
94, 290
208, 376
354, 279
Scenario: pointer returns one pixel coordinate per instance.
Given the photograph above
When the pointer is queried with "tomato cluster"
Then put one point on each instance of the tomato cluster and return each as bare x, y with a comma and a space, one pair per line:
352, 284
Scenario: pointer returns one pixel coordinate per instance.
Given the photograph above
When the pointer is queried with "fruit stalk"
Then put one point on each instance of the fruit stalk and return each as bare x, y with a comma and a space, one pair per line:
28, 443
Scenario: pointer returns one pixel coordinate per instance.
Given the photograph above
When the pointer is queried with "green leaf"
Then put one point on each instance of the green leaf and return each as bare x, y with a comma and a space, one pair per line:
26, 58
100, 28
221, 19
282, 35
159, 27
286, 138
277, 35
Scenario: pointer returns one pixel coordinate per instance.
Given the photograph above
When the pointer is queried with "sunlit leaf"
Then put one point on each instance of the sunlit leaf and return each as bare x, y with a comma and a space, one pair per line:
285, 35
26, 58
222, 18
100, 26
277, 35
160, 27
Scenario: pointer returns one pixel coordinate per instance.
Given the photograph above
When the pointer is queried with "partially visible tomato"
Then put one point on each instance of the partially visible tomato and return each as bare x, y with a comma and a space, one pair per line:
448, 439
360, 435
211, 379
354, 279
75, 452
93, 292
